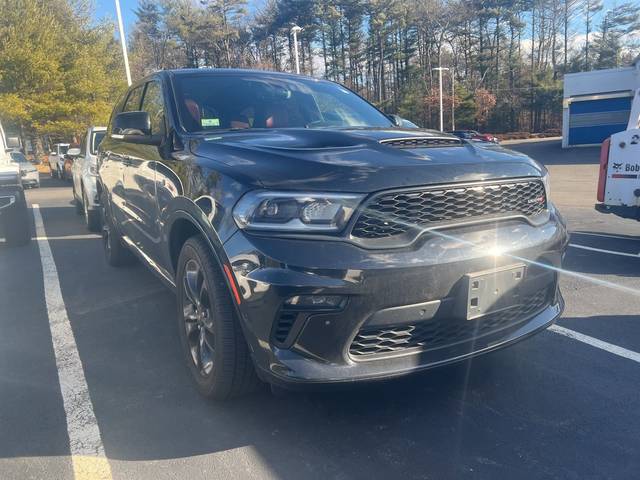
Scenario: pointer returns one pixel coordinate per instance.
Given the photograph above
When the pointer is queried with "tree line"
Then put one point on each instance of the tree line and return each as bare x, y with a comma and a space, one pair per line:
60, 71
506, 58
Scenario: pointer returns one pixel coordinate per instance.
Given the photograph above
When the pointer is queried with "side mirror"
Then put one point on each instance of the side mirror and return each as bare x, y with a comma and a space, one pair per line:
134, 127
396, 119
73, 152
13, 142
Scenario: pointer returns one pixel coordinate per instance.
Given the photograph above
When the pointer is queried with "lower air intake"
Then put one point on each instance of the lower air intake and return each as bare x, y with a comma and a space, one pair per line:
432, 334
283, 325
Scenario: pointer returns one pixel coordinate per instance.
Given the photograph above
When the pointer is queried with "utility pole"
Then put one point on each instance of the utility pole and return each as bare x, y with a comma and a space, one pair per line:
440, 70
294, 31
453, 99
123, 42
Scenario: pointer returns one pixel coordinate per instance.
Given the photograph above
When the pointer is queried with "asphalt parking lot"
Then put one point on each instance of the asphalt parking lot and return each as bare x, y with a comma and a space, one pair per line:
549, 407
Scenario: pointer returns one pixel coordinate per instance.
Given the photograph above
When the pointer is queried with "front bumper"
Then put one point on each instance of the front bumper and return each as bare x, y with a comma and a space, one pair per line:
317, 346
31, 179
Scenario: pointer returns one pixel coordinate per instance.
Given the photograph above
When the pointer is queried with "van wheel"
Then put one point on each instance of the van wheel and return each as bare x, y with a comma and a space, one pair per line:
212, 341
17, 224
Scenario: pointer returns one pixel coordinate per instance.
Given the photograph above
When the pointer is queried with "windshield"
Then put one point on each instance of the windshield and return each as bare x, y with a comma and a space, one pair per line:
218, 102
18, 157
95, 141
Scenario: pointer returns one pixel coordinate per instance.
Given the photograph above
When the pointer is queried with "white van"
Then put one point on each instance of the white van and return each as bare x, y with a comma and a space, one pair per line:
15, 224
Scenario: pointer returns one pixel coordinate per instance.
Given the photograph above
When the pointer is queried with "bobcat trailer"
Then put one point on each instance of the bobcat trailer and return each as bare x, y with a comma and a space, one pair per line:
619, 180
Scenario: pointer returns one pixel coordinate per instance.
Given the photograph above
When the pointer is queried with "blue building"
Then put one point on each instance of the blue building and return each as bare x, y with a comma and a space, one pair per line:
596, 104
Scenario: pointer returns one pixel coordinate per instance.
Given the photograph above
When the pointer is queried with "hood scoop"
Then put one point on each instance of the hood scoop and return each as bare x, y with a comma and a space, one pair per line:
422, 142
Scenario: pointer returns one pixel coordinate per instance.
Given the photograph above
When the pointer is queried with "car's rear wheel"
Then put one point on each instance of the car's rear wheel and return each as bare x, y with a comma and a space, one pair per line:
76, 201
17, 223
214, 346
115, 252
91, 217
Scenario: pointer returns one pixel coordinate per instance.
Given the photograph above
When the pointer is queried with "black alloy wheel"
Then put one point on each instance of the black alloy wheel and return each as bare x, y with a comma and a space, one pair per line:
213, 343
198, 318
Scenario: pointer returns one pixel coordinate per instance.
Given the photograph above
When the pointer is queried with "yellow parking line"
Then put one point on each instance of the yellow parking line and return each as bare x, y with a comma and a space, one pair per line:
91, 468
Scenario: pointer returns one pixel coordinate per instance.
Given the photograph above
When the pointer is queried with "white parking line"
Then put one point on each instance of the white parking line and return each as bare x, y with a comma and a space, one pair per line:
594, 342
605, 235
601, 250
87, 452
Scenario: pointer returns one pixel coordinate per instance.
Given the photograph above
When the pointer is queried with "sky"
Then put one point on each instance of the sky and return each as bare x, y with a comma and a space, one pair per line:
107, 9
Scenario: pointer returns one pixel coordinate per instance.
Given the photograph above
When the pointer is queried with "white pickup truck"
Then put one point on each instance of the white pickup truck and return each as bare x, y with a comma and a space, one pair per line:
15, 224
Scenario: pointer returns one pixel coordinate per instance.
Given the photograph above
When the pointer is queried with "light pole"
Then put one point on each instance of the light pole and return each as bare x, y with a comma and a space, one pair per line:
123, 42
294, 31
453, 99
439, 70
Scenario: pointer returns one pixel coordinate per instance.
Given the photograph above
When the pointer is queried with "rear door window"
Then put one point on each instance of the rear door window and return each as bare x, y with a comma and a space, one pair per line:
154, 106
95, 141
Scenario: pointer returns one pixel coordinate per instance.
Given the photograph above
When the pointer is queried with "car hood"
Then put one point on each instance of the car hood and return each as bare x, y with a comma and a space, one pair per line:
355, 160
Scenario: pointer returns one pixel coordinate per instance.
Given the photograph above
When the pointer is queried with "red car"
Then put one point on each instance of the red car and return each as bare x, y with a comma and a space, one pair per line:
474, 135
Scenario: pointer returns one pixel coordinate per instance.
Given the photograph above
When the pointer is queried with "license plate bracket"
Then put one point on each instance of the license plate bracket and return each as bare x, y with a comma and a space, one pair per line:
493, 290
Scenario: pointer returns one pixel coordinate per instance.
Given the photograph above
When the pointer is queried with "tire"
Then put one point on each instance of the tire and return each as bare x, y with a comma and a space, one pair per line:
76, 202
115, 252
91, 217
17, 224
212, 341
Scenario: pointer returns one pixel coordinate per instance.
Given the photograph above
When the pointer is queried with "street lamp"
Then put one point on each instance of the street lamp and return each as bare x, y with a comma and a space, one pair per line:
453, 99
294, 31
439, 70
123, 42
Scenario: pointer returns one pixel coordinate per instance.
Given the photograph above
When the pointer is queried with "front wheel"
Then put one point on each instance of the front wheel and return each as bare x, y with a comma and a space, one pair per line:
216, 352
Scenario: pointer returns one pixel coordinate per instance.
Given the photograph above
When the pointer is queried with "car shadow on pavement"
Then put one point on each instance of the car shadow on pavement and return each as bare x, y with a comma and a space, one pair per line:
47, 182
125, 326
550, 152
497, 413
589, 262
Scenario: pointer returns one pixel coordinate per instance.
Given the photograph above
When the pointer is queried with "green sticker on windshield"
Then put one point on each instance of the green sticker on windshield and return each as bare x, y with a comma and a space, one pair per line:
210, 122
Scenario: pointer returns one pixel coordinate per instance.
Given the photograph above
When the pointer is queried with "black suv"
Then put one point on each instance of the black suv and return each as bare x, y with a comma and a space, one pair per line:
309, 239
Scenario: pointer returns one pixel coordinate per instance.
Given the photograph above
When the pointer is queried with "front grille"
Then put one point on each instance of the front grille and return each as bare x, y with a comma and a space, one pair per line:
395, 213
432, 334
420, 142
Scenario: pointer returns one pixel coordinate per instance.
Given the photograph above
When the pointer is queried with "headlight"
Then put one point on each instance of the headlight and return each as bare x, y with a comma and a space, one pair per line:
295, 212
547, 185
